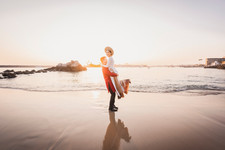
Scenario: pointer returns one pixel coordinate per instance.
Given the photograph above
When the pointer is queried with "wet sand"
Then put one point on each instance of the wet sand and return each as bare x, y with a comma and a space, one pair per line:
81, 121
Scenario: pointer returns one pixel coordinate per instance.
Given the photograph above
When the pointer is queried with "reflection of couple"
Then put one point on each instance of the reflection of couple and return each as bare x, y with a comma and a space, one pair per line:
110, 74
114, 133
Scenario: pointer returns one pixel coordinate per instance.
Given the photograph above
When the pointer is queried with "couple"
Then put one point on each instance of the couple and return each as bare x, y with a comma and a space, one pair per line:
110, 74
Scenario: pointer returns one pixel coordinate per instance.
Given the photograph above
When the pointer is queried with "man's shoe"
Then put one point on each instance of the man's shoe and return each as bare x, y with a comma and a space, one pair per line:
113, 109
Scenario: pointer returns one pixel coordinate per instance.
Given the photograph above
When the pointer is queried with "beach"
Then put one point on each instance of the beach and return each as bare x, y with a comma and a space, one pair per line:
81, 120
57, 63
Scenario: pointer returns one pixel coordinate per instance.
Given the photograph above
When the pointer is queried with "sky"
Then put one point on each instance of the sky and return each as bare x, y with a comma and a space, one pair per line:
152, 32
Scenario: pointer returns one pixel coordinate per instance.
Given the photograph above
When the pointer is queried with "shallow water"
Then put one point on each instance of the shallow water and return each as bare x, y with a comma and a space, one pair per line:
148, 80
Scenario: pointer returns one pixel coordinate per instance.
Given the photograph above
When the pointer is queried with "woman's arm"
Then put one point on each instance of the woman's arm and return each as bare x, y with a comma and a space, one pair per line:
110, 64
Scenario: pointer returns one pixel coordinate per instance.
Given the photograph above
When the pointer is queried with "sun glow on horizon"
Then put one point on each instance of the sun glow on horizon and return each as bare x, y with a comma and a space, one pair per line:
143, 32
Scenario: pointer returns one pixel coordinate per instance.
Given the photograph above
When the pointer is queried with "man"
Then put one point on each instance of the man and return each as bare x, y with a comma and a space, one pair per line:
109, 84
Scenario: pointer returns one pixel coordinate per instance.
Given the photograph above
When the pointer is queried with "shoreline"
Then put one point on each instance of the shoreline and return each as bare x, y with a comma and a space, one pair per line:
184, 93
81, 120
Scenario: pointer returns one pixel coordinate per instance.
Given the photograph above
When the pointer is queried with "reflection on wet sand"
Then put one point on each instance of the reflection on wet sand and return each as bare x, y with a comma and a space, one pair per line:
114, 133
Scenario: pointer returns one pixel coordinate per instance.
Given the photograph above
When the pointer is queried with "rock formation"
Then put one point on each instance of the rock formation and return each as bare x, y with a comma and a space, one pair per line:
72, 66
9, 74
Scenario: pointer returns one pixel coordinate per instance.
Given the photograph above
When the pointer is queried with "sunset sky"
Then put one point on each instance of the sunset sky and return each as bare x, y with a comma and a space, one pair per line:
153, 32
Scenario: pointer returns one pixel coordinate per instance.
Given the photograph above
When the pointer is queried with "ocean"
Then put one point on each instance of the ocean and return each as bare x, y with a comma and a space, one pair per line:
198, 81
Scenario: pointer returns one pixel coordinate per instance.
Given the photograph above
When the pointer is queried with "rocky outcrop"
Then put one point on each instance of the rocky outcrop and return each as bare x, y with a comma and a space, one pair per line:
9, 74
25, 72
72, 66
221, 66
41, 71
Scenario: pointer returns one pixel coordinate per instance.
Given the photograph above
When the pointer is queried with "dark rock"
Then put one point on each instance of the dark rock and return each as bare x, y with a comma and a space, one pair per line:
39, 71
71, 69
9, 71
210, 67
9, 74
73, 66
222, 66
42, 71
18, 72
32, 71
26, 72
51, 69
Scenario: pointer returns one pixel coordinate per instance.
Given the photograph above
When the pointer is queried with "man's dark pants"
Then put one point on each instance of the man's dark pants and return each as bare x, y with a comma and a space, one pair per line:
112, 98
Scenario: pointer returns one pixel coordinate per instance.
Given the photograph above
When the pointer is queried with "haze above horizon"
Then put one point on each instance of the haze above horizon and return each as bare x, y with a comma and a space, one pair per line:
155, 32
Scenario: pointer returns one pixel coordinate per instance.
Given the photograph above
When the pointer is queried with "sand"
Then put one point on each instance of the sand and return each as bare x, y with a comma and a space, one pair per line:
81, 121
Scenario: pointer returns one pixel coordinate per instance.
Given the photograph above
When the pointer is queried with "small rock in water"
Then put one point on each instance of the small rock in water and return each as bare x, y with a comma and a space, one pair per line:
19, 72
33, 71
41, 71
8, 71
26, 72
9, 74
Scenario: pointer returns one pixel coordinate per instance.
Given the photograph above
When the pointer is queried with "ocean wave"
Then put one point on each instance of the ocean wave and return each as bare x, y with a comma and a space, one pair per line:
170, 88
51, 90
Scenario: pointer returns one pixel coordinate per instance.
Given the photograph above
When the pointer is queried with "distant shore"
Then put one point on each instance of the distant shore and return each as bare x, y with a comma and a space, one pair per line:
96, 66
119, 65
185, 66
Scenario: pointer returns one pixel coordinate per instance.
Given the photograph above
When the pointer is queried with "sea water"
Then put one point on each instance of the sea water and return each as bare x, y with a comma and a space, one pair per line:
143, 79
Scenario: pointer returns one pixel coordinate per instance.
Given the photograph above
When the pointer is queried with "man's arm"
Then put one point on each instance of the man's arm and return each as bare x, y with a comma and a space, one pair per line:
107, 72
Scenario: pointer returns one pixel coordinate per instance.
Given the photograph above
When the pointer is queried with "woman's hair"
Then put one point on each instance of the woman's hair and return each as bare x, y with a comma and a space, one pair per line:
102, 58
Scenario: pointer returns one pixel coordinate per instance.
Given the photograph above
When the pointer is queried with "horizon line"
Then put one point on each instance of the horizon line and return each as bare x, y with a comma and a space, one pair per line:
117, 65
